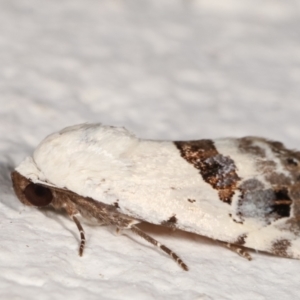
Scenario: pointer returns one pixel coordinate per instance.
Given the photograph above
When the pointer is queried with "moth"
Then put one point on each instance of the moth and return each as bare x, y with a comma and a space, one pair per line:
243, 192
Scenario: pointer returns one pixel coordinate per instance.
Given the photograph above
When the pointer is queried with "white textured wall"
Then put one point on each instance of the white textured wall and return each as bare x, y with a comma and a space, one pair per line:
163, 69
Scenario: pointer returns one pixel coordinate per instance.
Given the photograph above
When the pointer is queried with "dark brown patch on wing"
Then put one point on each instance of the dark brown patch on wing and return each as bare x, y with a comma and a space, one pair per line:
236, 221
172, 219
291, 161
171, 222
216, 169
278, 178
192, 200
116, 204
241, 240
246, 145
280, 247
282, 203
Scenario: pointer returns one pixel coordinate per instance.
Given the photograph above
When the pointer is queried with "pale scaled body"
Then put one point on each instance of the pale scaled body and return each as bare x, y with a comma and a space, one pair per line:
171, 183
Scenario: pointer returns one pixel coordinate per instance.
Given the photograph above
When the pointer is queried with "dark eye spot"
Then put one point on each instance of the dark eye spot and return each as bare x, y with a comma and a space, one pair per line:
38, 195
292, 161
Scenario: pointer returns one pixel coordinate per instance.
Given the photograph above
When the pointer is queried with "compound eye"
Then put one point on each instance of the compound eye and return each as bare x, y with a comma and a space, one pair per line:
38, 195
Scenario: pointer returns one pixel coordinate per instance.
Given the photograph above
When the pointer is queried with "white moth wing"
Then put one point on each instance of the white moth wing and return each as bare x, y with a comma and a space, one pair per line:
151, 181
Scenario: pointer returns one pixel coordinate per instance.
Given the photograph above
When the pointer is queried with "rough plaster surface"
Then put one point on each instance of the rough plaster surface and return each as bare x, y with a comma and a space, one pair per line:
164, 69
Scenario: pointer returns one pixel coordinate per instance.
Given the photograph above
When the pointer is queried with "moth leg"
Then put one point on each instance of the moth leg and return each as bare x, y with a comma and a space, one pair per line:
154, 242
82, 236
237, 249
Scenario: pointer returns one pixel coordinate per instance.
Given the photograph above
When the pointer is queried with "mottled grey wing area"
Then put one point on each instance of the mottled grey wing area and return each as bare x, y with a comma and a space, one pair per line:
273, 196
269, 195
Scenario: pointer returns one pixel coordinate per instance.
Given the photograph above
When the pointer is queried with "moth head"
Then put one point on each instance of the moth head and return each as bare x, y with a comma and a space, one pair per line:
31, 193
